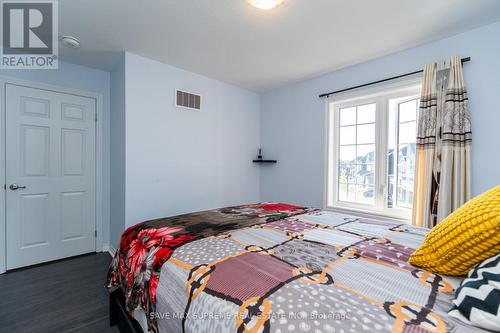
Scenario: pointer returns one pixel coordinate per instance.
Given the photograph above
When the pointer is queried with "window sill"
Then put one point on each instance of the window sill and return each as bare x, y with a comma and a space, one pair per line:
359, 212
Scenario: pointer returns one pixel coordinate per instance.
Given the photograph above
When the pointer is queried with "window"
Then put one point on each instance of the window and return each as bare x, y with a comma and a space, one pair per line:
371, 151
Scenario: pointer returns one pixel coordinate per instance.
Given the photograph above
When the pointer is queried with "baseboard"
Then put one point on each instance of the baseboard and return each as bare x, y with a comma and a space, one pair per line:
109, 248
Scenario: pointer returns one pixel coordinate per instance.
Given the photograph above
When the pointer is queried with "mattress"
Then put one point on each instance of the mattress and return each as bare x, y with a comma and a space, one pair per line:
285, 268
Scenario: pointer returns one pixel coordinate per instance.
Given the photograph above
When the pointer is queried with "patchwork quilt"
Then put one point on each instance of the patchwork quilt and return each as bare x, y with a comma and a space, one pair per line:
280, 268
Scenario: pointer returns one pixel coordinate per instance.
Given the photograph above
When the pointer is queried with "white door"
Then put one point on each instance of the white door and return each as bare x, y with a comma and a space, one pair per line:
50, 175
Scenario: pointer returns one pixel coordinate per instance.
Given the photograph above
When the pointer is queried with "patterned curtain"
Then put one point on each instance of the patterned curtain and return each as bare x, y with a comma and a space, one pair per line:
442, 179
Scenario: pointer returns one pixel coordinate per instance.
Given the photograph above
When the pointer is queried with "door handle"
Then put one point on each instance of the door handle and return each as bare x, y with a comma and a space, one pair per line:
15, 187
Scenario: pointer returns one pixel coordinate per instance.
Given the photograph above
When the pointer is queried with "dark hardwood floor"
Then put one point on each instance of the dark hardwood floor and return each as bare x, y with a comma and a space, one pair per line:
65, 296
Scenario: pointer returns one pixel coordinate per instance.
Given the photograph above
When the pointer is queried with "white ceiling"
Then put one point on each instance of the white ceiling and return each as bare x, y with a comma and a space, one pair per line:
233, 42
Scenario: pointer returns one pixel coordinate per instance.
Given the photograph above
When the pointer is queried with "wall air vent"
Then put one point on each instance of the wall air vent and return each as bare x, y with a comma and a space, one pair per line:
187, 100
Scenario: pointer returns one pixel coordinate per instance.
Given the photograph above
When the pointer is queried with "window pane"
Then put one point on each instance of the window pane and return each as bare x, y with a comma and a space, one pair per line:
365, 175
408, 132
365, 154
342, 192
391, 128
347, 173
356, 148
347, 116
366, 113
401, 153
390, 189
347, 154
405, 192
366, 134
347, 192
406, 153
408, 111
347, 135
406, 174
364, 194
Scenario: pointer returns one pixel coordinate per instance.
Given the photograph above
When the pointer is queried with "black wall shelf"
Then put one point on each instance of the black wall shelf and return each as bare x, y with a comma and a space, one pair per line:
264, 161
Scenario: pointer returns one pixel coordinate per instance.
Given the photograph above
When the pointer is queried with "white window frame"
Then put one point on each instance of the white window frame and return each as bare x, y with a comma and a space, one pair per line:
379, 95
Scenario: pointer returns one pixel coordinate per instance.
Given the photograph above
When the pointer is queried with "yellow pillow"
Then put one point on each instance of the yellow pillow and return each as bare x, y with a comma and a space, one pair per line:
466, 237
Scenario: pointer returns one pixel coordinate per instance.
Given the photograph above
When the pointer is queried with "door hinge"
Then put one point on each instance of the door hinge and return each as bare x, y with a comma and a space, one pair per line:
95, 117
95, 233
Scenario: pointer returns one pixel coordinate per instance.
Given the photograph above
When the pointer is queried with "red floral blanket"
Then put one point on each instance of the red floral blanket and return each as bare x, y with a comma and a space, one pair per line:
146, 246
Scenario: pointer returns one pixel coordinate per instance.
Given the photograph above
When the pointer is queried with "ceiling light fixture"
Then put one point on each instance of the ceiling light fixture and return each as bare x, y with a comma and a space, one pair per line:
70, 41
265, 4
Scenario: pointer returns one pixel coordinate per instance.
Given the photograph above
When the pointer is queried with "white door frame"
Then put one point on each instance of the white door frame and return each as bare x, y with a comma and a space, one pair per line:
99, 212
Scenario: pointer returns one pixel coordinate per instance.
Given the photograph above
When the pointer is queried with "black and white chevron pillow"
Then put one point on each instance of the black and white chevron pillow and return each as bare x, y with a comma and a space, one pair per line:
478, 298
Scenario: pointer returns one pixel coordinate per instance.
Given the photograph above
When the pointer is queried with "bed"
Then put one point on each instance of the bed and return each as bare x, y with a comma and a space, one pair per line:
276, 268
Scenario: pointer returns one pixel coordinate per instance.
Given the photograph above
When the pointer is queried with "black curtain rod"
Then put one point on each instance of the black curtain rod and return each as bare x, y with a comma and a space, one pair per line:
380, 81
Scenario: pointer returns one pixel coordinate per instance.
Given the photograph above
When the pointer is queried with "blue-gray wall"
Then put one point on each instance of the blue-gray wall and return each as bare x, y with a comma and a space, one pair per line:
87, 79
167, 161
117, 154
293, 117
179, 160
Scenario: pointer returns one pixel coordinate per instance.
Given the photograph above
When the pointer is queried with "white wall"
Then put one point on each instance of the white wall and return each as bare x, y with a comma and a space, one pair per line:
293, 117
82, 78
178, 160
